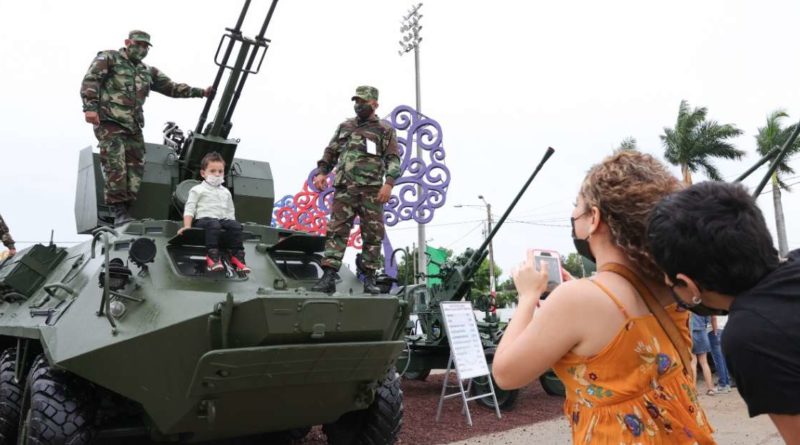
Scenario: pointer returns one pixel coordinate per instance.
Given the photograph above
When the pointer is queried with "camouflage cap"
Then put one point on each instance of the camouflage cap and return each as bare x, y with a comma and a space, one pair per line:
140, 36
366, 92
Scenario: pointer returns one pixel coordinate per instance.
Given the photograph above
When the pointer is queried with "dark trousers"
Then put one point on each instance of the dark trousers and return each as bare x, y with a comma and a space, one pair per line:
221, 233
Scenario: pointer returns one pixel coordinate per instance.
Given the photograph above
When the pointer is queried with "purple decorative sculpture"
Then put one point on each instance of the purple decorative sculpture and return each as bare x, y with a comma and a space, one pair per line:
309, 209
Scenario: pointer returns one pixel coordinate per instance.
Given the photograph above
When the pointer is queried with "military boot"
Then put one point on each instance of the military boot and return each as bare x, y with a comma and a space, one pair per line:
121, 215
327, 283
370, 287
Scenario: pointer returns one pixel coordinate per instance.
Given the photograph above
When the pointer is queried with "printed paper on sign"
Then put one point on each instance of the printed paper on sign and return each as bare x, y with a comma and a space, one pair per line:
372, 148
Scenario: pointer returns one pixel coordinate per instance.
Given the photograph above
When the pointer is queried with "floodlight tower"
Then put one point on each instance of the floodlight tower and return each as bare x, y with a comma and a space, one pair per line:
411, 40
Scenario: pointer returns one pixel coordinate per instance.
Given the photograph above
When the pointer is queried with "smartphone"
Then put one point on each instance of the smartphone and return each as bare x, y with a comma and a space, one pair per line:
552, 261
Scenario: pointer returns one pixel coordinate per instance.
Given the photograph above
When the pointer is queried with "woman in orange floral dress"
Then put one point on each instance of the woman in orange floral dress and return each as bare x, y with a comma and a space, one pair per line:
624, 375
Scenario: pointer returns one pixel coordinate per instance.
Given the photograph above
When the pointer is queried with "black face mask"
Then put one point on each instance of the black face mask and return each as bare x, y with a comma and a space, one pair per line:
363, 110
698, 308
581, 245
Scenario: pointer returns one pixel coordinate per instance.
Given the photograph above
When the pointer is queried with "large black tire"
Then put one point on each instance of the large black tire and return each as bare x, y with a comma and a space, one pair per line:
417, 375
58, 408
287, 437
379, 424
480, 385
552, 385
505, 399
10, 397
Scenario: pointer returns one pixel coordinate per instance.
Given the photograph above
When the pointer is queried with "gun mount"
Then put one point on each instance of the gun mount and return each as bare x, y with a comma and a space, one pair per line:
172, 168
427, 345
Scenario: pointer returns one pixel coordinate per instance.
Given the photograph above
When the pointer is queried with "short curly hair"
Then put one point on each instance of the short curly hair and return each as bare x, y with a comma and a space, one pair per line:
626, 186
211, 157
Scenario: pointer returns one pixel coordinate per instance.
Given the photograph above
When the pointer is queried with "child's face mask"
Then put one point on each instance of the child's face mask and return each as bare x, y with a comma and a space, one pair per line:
215, 180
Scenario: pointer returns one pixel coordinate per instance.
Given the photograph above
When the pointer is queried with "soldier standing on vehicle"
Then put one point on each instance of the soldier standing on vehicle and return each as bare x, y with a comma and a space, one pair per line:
113, 92
5, 235
363, 150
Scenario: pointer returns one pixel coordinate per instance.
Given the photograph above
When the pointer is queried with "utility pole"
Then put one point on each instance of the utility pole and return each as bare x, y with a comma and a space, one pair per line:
492, 285
410, 41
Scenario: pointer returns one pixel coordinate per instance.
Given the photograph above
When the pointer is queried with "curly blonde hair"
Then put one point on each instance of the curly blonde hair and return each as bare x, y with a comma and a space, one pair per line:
625, 187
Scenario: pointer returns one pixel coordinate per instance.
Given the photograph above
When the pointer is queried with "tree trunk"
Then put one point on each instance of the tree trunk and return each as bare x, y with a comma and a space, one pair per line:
687, 174
780, 223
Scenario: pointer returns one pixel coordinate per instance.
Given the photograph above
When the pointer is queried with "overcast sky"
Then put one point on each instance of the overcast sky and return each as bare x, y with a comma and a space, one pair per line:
505, 79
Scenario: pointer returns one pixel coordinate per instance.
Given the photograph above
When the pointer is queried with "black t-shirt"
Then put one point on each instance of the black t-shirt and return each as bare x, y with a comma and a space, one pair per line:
762, 341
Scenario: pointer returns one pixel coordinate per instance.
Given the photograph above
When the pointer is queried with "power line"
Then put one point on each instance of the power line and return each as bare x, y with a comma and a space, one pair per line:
480, 224
440, 225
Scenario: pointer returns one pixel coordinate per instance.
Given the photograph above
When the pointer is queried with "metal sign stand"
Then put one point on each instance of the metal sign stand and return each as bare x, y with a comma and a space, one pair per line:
466, 356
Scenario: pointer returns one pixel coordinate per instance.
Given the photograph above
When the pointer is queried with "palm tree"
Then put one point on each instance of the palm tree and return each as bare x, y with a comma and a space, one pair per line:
695, 140
769, 137
628, 144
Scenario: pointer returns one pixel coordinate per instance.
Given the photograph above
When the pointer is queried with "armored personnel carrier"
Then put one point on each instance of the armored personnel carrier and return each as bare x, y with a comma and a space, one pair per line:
128, 334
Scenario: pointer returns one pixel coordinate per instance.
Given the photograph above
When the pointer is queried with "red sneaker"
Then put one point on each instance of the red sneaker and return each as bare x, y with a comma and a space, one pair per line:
240, 266
213, 266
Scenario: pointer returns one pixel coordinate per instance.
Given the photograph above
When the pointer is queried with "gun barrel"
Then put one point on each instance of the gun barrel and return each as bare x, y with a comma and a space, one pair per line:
778, 159
236, 30
477, 257
240, 86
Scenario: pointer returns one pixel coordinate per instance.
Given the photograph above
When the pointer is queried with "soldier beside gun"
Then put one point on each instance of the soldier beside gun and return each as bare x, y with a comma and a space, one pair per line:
363, 149
113, 91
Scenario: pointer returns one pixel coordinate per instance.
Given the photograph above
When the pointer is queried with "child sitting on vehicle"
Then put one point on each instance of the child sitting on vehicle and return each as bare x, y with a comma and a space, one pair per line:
210, 206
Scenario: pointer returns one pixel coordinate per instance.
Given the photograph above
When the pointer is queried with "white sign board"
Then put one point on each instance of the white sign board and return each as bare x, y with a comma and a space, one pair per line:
465, 341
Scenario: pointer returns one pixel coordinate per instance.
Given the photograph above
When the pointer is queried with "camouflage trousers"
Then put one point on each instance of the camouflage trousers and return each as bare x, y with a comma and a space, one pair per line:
347, 204
122, 158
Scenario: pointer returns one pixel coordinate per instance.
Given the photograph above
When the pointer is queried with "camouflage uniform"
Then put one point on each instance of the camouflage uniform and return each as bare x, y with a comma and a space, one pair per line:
359, 176
5, 235
116, 87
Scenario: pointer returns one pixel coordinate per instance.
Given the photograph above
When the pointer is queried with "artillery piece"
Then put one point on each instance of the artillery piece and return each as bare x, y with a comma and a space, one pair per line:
427, 345
127, 334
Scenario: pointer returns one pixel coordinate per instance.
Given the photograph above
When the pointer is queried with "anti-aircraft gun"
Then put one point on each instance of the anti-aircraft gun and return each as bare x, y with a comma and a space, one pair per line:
173, 168
128, 334
427, 345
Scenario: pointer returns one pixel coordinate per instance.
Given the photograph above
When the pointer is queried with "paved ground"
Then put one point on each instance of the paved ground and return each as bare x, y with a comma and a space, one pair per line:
726, 412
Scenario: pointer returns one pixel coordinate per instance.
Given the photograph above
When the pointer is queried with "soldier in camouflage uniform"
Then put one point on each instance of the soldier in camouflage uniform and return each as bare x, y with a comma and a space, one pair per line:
363, 149
6, 237
113, 92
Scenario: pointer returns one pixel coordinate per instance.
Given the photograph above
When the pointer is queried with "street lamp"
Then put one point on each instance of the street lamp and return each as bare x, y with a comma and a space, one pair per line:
492, 280
492, 286
411, 40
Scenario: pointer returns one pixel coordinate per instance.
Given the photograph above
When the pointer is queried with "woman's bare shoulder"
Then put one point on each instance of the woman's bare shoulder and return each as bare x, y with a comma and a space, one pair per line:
574, 293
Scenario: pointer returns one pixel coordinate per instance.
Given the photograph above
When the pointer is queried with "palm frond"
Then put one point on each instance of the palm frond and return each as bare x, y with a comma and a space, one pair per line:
629, 143
710, 170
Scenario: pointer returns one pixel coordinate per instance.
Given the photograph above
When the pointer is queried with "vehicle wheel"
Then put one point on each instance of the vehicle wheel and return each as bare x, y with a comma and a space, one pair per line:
379, 424
286, 437
480, 385
10, 397
551, 384
417, 375
58, 408
505, 399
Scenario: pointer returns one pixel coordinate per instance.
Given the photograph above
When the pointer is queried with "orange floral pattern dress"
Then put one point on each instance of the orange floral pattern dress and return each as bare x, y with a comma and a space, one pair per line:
635, 390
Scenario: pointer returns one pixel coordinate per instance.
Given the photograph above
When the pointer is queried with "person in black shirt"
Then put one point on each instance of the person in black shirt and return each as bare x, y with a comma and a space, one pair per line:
717, 254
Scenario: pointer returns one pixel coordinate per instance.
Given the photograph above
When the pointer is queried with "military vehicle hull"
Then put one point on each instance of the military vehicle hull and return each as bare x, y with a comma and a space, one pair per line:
207, 355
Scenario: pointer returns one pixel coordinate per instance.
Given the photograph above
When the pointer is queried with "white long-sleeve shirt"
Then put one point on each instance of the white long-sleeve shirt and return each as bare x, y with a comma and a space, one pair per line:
206, 201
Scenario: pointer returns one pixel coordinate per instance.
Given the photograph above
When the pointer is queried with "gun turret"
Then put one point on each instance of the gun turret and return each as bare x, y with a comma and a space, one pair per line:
457, 280
172, 168
215, 135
